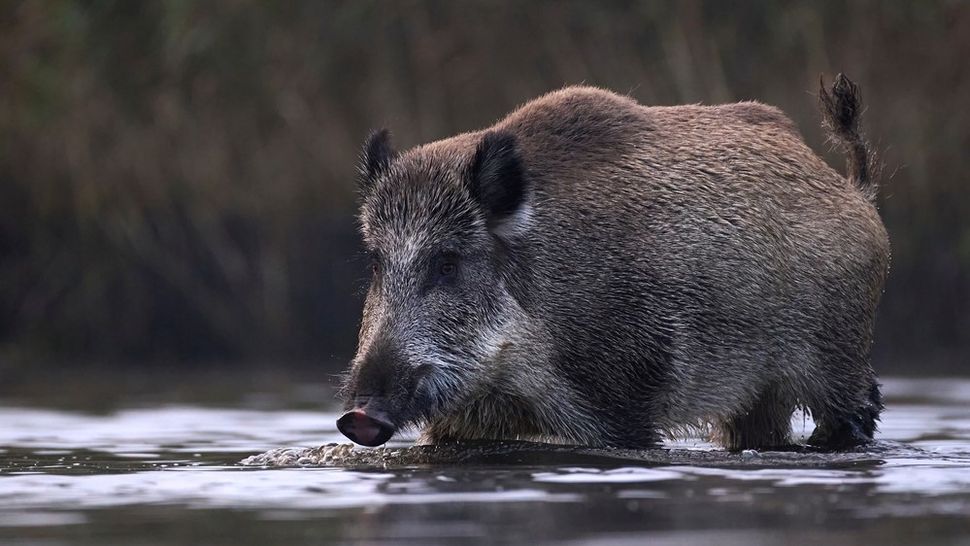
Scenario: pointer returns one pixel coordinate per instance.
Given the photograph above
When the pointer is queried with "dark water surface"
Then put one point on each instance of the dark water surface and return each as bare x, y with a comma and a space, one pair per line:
150, 473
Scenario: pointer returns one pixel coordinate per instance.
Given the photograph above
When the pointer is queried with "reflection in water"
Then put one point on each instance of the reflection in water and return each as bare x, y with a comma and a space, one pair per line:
169, 475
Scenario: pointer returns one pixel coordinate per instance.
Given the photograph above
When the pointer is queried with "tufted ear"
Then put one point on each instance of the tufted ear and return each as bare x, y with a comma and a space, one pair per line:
497, 178
377, 156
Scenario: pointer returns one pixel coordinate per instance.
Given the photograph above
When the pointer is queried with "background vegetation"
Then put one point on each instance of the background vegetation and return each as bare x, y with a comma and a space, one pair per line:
177, 178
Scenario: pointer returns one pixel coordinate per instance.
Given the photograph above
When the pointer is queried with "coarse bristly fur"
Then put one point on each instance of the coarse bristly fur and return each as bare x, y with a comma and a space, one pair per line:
593, 271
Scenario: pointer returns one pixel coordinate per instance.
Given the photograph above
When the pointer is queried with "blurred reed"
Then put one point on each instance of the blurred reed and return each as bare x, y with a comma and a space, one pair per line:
177, 178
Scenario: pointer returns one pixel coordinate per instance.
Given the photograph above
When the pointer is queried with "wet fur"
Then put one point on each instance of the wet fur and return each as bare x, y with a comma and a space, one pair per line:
668, 268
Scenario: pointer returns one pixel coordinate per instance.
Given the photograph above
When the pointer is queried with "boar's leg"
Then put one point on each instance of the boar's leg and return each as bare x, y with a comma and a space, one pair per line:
848, 428
766, 423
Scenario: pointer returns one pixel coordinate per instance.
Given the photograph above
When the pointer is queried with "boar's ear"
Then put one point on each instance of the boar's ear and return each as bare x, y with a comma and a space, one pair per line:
497, 177
376, 156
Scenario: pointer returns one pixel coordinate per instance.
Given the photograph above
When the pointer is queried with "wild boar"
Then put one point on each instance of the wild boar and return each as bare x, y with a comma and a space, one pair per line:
596, 272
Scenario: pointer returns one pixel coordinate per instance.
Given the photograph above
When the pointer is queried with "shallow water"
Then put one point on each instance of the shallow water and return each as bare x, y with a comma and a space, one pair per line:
164, 474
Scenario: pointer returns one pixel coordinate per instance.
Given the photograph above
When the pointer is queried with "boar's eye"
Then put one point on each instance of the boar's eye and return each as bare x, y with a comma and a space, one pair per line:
375, 263
444, 268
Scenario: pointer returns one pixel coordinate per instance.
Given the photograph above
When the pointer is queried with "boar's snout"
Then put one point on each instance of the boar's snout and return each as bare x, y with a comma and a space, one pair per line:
367, 427
372, 413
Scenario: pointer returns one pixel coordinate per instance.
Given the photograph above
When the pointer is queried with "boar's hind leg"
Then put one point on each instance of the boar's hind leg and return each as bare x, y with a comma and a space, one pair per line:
767, 423
845, 428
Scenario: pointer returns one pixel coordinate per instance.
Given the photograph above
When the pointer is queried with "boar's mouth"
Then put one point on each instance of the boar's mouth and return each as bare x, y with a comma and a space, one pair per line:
367, 428
372, 418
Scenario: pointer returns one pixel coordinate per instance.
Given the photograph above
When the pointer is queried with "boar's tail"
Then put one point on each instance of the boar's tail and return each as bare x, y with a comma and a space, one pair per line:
841, 110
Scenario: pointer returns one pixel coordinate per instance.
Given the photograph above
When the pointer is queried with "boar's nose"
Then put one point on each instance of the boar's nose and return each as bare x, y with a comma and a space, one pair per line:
369, 430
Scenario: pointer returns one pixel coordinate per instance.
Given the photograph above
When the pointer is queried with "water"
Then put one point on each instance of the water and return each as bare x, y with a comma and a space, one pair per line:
150, 473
